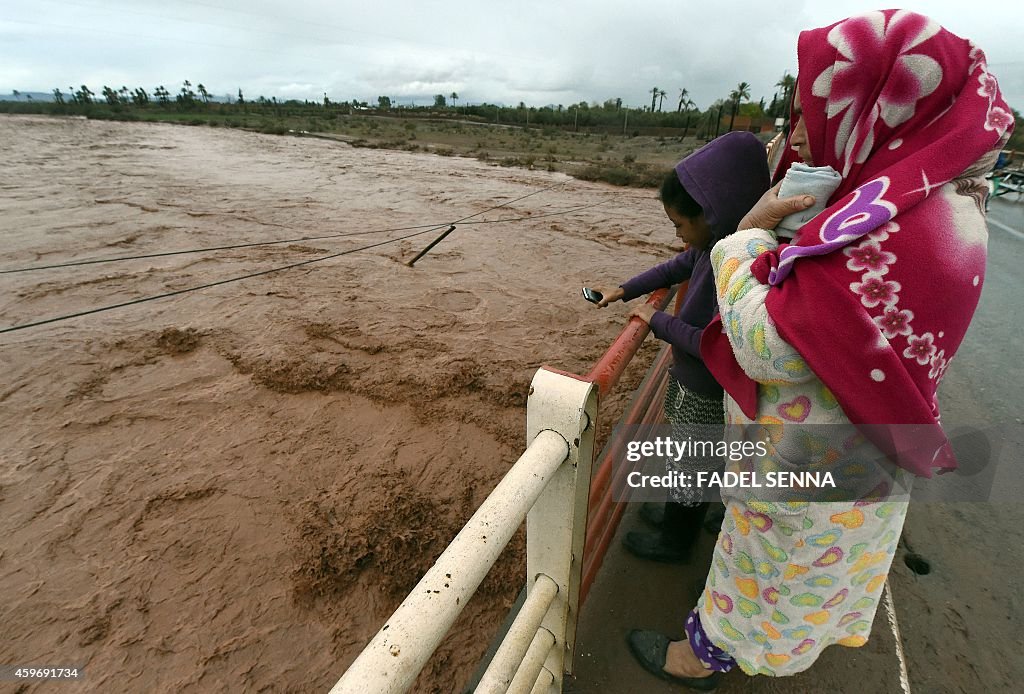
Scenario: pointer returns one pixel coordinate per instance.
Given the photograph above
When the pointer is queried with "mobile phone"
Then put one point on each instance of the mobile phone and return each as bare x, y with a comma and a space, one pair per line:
592, 296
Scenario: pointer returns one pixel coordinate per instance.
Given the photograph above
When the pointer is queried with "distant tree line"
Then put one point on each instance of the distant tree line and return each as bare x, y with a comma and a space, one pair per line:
609, 116
197, 105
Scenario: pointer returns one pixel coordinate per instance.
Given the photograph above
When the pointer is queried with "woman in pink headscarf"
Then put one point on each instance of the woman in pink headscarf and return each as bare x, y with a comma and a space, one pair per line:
852, 325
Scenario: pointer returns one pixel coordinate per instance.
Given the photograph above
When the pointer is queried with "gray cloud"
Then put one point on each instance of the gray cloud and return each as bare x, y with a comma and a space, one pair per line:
532, 51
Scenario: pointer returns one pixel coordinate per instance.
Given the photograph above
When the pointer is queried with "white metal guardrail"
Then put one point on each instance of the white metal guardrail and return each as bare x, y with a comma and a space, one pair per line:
548, 486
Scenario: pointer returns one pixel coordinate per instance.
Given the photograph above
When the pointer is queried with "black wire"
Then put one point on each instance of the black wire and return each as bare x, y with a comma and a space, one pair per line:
206, 286
73, 263
208, 249
262, 272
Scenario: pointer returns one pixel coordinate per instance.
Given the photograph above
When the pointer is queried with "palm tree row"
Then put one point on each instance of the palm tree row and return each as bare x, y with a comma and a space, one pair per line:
138, 96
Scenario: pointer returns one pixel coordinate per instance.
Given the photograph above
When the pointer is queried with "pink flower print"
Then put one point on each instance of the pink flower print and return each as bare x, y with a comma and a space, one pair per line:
868, 257
977, 57
921, 348
989, 86
939, 364
874, 290
999, 120
913, 76
882, 233
894, 322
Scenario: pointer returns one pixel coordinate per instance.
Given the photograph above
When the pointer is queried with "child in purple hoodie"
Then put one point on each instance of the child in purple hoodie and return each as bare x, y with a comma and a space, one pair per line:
704, 198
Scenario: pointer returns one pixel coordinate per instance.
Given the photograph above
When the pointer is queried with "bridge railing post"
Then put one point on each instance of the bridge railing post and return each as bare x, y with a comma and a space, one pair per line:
556, 525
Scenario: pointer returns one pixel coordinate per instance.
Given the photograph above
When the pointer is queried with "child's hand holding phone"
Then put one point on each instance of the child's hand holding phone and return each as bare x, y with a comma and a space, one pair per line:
602, 296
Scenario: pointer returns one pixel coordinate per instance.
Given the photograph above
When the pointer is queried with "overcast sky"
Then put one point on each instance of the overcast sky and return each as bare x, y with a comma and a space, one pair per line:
536, 51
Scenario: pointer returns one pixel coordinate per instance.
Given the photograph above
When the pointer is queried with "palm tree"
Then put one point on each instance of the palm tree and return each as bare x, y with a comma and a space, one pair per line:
786, 84
654, 97
688, 105
203, 93
454, 97
186, 96
661, 98
682, 100
741, 92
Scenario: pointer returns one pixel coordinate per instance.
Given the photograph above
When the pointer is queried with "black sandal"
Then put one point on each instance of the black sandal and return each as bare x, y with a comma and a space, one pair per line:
650, 648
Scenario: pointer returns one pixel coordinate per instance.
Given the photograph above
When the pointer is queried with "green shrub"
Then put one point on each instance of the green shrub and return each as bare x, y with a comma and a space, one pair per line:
635, 177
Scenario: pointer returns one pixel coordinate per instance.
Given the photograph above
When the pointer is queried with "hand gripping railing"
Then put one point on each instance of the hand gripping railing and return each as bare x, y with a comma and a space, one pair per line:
548, 486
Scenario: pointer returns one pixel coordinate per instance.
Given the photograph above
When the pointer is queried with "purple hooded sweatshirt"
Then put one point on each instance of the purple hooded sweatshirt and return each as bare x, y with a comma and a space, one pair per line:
725, 177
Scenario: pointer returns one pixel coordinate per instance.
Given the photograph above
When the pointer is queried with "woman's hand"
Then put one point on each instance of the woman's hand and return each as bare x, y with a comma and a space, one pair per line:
770, 209
610, 294
644, 312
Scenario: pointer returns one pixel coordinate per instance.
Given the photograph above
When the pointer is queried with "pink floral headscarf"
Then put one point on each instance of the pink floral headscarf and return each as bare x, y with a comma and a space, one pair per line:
877, 293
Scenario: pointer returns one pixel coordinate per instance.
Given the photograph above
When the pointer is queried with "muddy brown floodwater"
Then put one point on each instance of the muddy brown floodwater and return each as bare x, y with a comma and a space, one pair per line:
230, 490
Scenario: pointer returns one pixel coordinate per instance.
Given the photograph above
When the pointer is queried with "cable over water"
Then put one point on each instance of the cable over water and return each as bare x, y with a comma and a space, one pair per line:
77, 314
205, 286
210, 249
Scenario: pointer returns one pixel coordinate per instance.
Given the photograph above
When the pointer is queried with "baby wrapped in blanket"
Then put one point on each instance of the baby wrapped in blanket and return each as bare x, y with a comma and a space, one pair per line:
801, 179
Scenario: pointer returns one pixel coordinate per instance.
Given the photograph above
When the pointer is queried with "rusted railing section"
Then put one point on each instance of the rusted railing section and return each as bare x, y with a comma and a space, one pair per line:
609, 368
